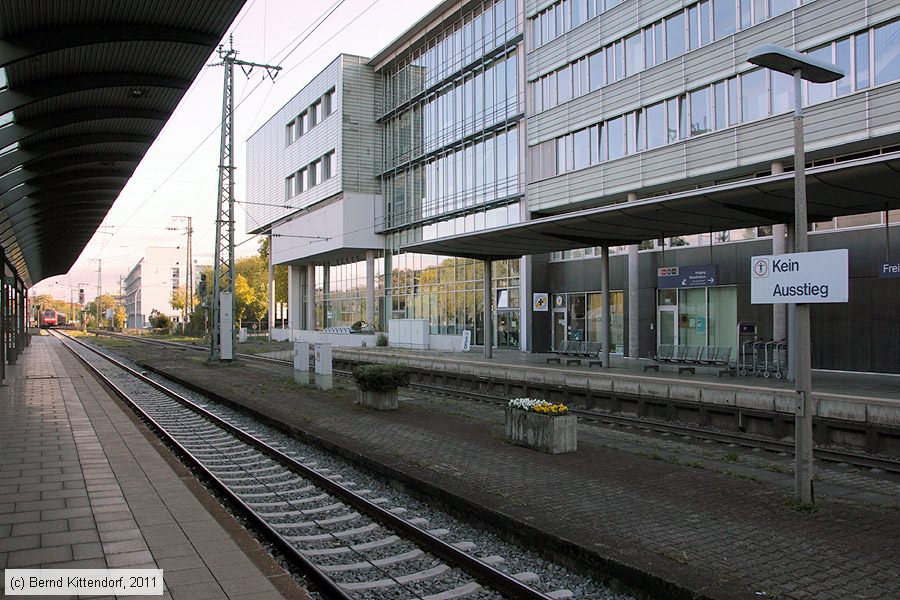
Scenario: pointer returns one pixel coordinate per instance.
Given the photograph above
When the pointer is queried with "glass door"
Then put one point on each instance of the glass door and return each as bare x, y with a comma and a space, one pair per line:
508, 329
667, 326
560, 327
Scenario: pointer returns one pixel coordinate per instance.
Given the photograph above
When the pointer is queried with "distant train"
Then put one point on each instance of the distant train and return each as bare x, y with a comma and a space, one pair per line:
51, 318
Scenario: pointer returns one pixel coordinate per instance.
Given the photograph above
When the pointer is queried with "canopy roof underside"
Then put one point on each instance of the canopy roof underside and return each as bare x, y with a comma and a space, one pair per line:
85, 88
859, 186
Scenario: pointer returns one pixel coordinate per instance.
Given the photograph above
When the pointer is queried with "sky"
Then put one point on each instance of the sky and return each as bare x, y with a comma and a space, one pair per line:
178, 175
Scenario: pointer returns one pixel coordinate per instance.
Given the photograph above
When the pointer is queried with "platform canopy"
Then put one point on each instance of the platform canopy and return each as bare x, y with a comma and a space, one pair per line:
85, 88
859, 186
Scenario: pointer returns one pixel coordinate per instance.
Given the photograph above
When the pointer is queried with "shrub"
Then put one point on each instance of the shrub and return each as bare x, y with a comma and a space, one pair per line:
160, 321
358, 326
381, 340
380, 378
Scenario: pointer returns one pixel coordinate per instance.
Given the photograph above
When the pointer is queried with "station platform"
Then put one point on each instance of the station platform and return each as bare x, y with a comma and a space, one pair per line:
84, 485
675, 518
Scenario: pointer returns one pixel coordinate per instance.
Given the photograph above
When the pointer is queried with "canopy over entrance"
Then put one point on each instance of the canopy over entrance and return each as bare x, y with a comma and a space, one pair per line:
859, 186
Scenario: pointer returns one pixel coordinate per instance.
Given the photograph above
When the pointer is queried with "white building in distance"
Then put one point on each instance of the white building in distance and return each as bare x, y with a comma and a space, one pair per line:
150, 283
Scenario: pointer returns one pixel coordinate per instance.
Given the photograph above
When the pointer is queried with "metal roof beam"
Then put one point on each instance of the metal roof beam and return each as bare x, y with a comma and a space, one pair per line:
45, 41
48, 148
22, 131
45, 167
49, 88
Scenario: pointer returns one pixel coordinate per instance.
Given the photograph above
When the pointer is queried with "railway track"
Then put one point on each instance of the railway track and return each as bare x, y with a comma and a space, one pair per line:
346, 542
649, 425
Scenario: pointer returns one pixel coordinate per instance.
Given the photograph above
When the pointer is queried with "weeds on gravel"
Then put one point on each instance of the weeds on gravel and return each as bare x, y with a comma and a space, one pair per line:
802, 507
731, 457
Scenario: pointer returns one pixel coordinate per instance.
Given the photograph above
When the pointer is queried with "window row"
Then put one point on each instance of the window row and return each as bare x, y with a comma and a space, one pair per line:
311, 175
310, 117
695, 25
486, 27
480, 100
687, 29
479, 173
870, 56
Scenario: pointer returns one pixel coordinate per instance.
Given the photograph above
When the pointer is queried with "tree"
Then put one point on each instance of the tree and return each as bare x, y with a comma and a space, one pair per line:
281, 272
159, 320
120, 317
106, 301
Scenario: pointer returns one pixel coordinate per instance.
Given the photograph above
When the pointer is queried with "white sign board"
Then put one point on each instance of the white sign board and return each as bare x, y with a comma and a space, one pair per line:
540, 302
801, 278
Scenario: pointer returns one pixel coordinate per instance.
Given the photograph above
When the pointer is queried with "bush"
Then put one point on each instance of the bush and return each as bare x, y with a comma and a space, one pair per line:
160, 321
380, 378
381, 340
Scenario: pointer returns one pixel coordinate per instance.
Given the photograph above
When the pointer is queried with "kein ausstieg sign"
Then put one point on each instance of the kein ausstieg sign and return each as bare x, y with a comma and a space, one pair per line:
803, 278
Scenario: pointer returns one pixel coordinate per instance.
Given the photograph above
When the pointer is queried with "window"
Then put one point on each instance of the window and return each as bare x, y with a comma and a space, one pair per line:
303, 121
315, 114
862, 61
288, 186
597, 70
675, 45
328, 103
721, 105
564, 84
887, 57
582, 149
777, 7
819, 92
782, 92
656, 125
329, 166
753, 95
175, 278
724, 18
616, 132
701, 113
302, 180
634, 54
289, 131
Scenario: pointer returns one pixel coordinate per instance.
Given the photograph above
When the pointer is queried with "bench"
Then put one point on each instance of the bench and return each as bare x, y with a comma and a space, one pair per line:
559, 352
688, 357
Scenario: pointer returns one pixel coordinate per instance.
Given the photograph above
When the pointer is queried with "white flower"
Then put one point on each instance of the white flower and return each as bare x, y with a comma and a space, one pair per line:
526, 403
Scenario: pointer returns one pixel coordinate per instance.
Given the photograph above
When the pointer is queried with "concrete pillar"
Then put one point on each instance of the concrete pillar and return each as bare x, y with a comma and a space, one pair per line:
488, 321
310, 297
295, 320
526, 289
604, 298
370, 287
271, 290
634, 313
779, 246
20, 318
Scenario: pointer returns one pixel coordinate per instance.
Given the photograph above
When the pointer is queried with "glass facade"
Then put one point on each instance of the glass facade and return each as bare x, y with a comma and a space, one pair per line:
451, 117
745, 98
698, 317
577, 318
341, 293
686, 29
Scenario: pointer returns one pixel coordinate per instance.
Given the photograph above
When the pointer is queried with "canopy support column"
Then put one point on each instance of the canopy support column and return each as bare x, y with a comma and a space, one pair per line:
488, 321
604, 313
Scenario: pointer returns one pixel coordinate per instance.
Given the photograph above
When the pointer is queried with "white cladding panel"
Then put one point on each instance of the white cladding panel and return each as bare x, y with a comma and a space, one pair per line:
338, 228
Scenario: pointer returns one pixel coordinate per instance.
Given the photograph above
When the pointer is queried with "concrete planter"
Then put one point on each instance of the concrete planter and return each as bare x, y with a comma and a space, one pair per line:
377, 400
553, 435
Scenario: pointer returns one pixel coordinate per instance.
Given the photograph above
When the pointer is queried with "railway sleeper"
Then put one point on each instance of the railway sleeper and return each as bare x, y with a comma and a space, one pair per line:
402, 580
415, 554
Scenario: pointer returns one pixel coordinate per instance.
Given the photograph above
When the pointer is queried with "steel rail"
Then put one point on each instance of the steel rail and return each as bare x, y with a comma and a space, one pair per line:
493, 578
749, 441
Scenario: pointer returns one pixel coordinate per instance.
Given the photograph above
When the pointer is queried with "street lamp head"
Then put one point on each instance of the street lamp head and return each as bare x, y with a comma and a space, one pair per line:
787, 61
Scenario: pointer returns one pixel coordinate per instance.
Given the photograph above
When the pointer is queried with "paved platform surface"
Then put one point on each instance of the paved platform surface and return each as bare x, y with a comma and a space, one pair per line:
82, 487
709, 520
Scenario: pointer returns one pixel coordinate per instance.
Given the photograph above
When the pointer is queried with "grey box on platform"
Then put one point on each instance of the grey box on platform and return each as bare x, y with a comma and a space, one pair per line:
553, 435
301, 356
378, 400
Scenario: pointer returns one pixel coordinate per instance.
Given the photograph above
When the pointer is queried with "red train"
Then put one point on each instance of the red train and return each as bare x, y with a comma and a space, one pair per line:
51, 318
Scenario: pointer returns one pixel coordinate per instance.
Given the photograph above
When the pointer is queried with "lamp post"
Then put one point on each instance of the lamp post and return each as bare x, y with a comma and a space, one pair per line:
800, 67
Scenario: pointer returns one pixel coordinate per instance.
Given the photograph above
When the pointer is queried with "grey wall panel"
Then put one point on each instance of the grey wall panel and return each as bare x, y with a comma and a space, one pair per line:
882, 107
881, 10
840, 121
710, 154
827, 20
765, 140
663, 165
361, 138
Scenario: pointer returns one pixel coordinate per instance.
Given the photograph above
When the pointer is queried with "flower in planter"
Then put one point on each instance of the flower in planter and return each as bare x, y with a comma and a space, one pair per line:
538, 406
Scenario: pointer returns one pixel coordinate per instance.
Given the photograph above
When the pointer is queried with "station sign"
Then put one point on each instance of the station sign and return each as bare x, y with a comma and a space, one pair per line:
540, 301
800, 278
686, 277
889, 270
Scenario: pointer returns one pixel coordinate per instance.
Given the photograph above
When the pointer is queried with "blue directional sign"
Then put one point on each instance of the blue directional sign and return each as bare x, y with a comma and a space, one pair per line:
686, 277
889, 270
